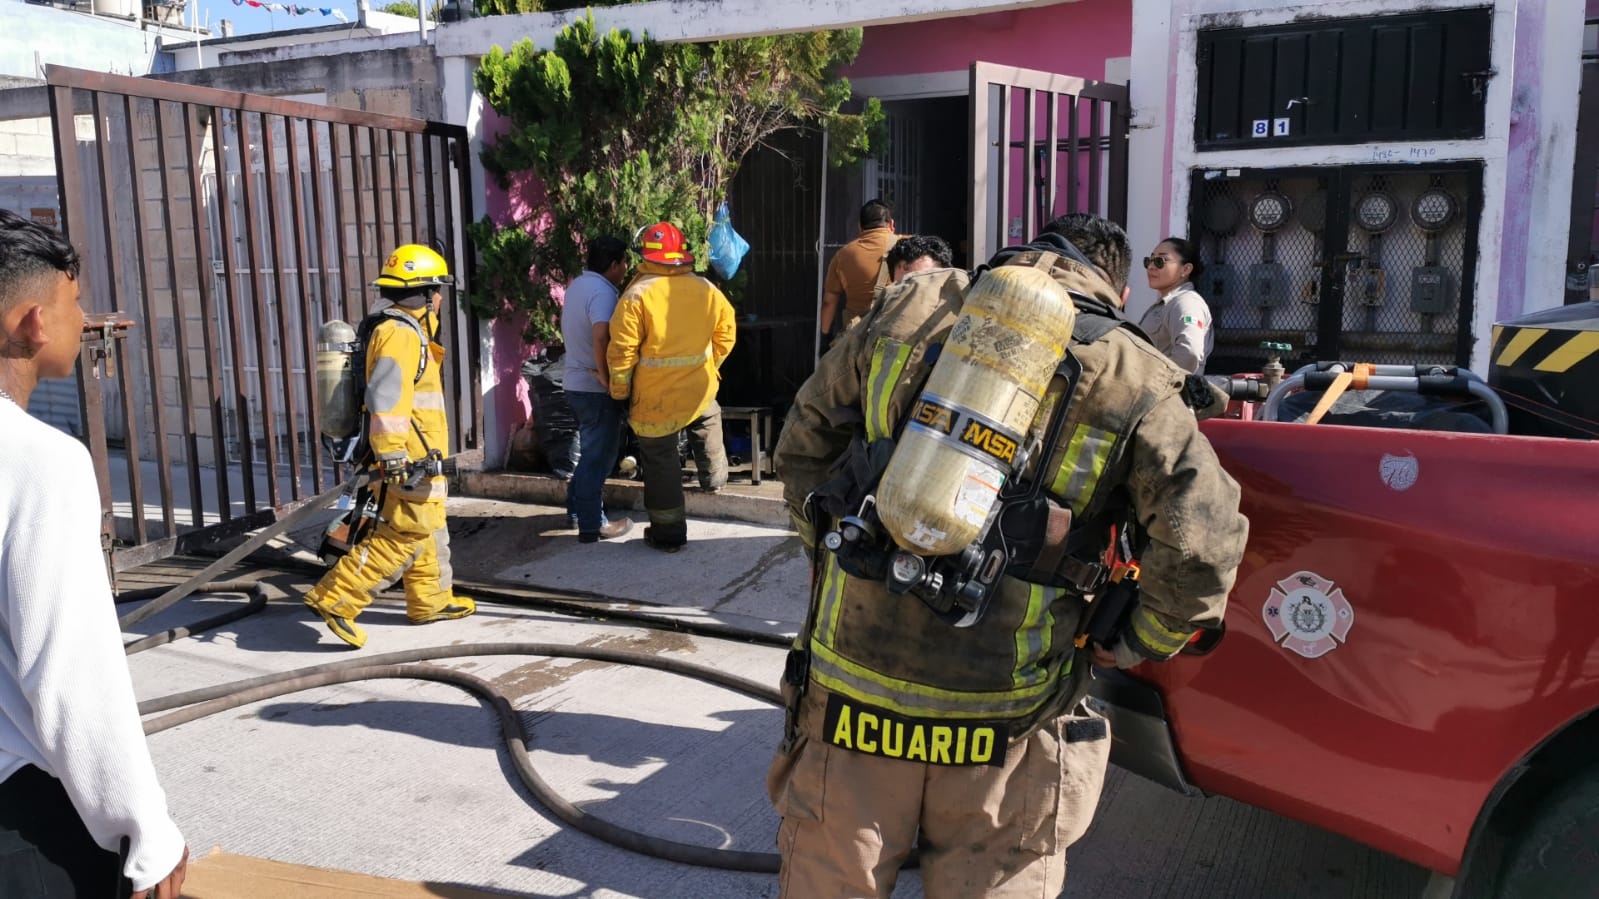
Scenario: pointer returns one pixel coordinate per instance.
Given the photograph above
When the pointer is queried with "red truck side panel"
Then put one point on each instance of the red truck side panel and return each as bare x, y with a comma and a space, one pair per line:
1415, 612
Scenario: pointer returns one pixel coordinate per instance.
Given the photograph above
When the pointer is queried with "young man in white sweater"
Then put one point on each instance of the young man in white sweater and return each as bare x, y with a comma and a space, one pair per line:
76, 778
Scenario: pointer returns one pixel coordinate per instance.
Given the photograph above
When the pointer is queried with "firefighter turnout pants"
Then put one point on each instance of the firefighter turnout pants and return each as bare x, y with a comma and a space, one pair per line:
410, 544
850, 820
663, 473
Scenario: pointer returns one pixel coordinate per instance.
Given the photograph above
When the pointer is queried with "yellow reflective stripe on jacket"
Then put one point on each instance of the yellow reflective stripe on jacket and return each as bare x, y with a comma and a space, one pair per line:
391, 424
674, 361
802, 527
840, 675
832, 597
888, 363
1035, 633
429, 400
1087, 454
1160, 639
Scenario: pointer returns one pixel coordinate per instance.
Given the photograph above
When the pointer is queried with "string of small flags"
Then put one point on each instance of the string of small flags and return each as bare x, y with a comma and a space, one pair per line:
293, 10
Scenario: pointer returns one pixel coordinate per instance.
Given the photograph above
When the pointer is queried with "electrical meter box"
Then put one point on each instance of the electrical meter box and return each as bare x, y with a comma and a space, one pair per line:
1268, 284
1219, 284
1431, 289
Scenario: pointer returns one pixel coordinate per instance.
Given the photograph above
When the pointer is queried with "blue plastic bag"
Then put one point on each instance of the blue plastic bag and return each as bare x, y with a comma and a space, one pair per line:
727, 247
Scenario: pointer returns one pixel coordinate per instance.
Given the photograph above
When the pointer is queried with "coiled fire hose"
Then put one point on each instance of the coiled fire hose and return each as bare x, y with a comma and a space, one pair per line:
195, 704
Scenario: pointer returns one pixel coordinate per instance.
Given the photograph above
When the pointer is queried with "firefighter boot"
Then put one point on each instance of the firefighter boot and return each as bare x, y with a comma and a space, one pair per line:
340, 620
454, 607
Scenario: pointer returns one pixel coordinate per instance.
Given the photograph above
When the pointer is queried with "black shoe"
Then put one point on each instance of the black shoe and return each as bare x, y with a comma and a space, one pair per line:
663, 546
608, 531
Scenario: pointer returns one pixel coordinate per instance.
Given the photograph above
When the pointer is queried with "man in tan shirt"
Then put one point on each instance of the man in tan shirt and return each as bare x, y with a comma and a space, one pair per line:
853, 272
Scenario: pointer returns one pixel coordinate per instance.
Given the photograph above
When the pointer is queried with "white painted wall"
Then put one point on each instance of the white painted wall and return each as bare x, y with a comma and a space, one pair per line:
35, 36
391, 31
1528, 149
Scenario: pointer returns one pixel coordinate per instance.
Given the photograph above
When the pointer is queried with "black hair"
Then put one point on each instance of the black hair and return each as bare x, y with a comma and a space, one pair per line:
29, 250
913, 247
1101, 240
1189, 253
604, 252
876, 214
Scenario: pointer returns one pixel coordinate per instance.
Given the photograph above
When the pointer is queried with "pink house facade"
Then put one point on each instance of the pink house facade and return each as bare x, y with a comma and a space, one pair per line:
910, 64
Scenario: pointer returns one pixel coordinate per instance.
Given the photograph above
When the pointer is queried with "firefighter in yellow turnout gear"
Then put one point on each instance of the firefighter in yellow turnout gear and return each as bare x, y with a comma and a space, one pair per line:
971, 744
670, 334
404, 404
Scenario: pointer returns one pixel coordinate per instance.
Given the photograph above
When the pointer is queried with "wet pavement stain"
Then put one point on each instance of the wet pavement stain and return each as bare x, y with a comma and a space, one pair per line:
778, 554
536, 677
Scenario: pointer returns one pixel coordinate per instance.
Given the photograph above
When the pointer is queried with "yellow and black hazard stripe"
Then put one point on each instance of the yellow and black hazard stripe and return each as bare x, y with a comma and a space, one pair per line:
1553, 350
1549, 378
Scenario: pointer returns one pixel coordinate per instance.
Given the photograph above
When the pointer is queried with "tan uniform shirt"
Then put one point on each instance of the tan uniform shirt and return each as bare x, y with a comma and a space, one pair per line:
1179, 324
853, 271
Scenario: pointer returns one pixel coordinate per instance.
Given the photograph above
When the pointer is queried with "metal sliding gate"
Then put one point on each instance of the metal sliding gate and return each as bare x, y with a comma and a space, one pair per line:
227, 228
1042, 145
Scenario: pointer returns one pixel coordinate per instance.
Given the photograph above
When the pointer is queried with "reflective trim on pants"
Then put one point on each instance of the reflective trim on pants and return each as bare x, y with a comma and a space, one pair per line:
412, 545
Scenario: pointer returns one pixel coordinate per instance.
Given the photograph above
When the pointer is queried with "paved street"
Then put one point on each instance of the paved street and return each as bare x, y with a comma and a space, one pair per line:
410, 780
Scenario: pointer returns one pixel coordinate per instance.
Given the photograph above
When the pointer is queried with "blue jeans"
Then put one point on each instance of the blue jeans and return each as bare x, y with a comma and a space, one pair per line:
599, 427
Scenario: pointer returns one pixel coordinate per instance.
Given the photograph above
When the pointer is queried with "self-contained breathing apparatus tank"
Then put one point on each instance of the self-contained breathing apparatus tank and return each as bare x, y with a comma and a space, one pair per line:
968, 432
340, 423
340, 419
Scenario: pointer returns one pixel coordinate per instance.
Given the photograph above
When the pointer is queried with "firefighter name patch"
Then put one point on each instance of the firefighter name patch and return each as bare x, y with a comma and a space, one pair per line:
1310, 612
935, 741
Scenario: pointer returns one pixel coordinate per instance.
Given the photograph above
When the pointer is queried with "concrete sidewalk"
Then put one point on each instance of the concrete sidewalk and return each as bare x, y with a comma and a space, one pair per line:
409, 780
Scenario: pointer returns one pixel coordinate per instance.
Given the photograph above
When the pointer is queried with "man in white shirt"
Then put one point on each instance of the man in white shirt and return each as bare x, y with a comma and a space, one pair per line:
76, 780
586, 331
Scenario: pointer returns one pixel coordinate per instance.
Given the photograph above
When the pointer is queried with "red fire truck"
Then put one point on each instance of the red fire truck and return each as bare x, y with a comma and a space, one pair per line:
1411, 654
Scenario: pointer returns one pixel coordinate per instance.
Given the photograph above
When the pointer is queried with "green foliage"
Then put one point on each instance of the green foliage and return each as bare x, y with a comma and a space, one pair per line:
508, 7
625, 133
409, 10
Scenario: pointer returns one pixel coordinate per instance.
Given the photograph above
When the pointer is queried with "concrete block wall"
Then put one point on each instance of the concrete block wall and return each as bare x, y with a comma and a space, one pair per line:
26, 148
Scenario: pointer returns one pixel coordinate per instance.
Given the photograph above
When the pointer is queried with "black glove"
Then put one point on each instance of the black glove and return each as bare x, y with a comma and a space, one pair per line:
393, 471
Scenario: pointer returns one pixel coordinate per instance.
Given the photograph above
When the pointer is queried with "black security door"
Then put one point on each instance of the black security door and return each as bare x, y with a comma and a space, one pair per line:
1361, 263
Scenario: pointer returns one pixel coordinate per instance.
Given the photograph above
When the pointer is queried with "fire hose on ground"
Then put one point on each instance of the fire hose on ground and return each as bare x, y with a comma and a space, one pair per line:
192, 705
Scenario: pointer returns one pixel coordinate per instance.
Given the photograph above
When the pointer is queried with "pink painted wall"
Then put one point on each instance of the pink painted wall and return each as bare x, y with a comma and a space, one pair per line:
1070, 37
508, 398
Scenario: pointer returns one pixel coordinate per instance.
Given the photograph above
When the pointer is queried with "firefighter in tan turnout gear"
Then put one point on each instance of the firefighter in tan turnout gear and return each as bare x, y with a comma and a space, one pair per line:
406, 422
946, 714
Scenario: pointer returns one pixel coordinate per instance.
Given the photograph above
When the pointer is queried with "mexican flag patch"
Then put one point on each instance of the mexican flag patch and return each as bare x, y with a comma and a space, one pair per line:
1196, 322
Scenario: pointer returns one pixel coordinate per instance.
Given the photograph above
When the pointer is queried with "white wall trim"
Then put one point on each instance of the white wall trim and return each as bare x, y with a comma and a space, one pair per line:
914, 87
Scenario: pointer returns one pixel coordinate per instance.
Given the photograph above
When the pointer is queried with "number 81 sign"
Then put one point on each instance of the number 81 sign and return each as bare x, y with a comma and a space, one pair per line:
1269, 128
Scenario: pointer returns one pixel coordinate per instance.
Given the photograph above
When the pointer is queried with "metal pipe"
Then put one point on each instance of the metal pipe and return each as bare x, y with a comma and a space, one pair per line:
1474, 386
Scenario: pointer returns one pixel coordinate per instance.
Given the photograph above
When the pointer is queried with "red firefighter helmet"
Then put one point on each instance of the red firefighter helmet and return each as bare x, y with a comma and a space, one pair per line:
662, 242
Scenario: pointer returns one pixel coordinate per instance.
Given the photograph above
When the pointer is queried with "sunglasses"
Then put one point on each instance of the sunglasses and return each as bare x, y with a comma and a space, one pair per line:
1159, 261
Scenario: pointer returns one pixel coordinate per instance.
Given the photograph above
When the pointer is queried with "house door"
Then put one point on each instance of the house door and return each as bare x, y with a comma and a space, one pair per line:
1041, 145
1355, 263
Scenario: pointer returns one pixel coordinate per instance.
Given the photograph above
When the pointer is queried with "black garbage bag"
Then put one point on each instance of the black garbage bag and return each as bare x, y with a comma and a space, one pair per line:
553, 418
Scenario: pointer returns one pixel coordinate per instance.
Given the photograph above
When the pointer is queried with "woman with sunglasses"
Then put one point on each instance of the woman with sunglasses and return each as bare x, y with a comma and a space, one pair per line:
1179, 323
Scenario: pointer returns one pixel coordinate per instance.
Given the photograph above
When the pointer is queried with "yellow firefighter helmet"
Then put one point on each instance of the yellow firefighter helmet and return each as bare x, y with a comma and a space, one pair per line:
414, 265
